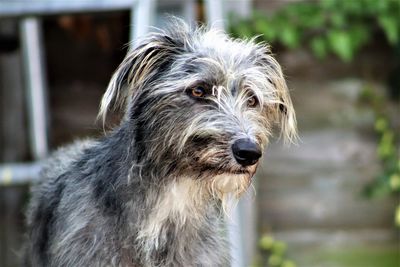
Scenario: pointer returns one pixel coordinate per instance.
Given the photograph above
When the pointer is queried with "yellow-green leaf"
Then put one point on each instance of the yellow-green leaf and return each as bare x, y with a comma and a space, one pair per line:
341, 45
394, 181
266, 242
390, 26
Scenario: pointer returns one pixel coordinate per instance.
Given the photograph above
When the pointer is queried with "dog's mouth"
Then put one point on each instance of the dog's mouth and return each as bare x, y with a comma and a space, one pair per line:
206, 170
240, 171
249, 171
222, 170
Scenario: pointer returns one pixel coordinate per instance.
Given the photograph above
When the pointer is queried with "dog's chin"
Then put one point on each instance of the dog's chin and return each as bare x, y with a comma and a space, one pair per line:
234, 181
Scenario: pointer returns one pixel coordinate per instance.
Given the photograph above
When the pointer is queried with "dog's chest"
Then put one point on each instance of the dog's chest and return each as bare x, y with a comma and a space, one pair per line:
182, 229
186, 245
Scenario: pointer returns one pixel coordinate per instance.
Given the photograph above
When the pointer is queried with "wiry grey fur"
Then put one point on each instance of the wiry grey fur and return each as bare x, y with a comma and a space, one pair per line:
153, 192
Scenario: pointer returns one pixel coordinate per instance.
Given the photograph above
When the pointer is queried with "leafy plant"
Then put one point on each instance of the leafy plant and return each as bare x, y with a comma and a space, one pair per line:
341, 27
388, 182
274, 252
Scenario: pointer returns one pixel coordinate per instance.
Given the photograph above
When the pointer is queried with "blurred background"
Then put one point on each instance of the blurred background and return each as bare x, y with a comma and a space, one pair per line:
332, 200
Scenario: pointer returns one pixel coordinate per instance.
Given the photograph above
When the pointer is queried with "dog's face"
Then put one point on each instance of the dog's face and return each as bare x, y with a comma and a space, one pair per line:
202, 105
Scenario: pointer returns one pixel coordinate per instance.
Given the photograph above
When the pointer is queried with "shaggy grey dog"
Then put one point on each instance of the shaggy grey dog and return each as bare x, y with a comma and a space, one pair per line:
199, 110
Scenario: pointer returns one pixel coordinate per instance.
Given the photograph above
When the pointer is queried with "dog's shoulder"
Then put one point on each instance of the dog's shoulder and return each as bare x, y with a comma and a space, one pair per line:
62, 159
56, 166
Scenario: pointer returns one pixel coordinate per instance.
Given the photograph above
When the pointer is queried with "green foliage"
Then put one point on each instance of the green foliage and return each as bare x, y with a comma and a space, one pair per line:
388, 182
341, 27
397, 218
274, 252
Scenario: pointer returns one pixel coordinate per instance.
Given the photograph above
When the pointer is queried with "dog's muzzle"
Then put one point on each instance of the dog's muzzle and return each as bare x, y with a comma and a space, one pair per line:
246, 152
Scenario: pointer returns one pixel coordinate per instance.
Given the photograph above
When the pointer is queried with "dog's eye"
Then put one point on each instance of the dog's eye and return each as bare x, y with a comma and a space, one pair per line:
198, 91
252, 101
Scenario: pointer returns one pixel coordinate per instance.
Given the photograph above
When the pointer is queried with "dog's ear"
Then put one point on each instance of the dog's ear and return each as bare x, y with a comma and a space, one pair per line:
284, 110
142, 65
282, 107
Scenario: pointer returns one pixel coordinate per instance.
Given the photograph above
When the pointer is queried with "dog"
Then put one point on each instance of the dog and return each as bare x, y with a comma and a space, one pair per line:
199, 109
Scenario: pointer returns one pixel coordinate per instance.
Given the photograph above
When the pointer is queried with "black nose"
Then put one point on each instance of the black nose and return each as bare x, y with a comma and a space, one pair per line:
246, 152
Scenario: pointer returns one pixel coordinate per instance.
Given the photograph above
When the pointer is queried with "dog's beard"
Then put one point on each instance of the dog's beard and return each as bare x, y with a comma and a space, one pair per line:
220, 176
229, 187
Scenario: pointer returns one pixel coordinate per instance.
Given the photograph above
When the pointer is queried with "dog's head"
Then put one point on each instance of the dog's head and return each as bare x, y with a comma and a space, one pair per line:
201, 105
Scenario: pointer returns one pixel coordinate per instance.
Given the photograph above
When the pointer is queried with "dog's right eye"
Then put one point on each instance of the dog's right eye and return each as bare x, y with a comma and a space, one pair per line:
198, 91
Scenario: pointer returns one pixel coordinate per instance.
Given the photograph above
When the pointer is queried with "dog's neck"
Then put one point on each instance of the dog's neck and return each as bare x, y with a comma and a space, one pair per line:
180, 202
179, 215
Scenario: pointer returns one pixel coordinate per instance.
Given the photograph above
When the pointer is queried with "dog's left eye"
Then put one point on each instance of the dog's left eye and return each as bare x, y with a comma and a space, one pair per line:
252, 101
198, 91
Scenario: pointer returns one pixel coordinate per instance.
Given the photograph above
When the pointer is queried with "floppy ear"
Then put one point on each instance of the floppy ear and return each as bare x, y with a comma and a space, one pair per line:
282, 108
286, 116
142, 65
